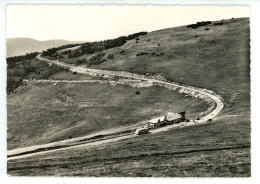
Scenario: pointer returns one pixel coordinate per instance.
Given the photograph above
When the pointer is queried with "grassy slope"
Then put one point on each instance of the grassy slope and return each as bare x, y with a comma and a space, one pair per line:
215, 149
220, 148
47, 112
215, 59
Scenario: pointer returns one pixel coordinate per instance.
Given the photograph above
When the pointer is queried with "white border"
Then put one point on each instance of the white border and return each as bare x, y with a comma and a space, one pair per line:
255, 53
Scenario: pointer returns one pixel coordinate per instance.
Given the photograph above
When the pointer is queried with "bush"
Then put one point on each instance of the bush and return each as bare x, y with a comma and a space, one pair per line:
218, 23
52, 70
12, 85
137, 92
160, 54
13, 61
122, 52
92, 47
81, 61
199, 24
110, 56
74, 54
96, 59
207, 29
52, 51
141, 53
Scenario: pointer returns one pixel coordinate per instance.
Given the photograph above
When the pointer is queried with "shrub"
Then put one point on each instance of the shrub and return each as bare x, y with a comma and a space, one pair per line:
199, 24
141, 53
160, 54
52, 51
12, 85
110, 56
13, 61
74, 54
74, 73
92, 47
137, 92
207, 29
218, 23
81, 61
122, 52
96, 59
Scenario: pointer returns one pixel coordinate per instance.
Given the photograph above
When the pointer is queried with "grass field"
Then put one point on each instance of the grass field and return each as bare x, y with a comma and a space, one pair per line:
215, 149
50, 112
217, 59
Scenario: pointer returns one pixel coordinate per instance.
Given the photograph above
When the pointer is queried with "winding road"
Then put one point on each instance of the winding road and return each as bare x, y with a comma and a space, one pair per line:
79, 142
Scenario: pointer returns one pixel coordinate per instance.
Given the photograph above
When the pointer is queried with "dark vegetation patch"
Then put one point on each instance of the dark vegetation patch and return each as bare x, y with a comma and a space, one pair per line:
157, 54
122, 52
199, 24
110, 56
14, 61
96, 59
142, 53
160, 54
25, 67
218, 23
52, 51
92, 47
80, 61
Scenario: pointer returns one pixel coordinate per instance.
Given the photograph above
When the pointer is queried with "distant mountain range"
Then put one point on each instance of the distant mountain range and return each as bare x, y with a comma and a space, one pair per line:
21, 46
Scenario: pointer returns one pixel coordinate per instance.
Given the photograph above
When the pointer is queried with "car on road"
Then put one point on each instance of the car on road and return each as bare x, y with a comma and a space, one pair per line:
142, 130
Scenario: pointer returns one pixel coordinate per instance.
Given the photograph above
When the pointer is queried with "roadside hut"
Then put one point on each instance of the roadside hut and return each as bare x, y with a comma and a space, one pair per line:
156, 122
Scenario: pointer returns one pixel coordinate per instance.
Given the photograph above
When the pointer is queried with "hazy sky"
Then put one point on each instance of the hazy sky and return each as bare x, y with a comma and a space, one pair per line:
91, 23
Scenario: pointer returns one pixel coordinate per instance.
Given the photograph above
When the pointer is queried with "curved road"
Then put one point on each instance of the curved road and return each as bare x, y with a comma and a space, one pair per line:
78, 69
68, 144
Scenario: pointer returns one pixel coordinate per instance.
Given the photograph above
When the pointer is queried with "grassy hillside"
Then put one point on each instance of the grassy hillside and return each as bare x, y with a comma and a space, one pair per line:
219, 149
215, 57
27, 67
51, 112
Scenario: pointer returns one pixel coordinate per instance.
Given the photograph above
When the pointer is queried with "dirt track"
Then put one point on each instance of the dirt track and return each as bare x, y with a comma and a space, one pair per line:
72, 143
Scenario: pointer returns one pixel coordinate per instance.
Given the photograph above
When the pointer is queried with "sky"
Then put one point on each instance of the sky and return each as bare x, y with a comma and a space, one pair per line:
94, 23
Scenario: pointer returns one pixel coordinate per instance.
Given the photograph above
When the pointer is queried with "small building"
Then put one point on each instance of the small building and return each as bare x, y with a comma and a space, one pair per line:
157, 122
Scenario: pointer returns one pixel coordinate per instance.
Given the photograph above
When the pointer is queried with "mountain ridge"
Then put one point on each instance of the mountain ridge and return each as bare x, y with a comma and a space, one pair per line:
21, 46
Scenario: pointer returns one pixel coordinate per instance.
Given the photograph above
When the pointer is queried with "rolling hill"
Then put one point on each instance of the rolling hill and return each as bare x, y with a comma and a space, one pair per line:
214, 56
21, 46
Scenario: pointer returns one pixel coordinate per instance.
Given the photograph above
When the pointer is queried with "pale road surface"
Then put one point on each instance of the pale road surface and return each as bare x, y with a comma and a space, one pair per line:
218, 102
